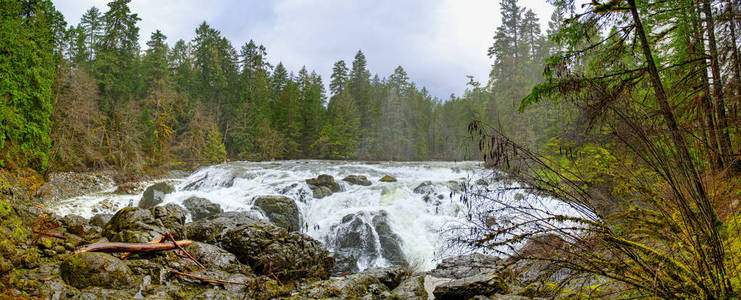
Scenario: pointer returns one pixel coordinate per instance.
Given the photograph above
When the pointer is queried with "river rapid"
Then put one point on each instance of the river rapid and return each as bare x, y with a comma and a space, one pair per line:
420, 208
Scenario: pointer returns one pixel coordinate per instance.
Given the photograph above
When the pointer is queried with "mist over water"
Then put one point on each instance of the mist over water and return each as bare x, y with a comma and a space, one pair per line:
421, 219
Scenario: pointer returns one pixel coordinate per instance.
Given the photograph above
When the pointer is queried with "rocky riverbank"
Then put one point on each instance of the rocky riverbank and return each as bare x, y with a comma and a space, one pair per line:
245, 256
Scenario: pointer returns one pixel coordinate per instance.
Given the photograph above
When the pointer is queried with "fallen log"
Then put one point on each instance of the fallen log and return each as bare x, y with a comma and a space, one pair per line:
131, 247
155, 241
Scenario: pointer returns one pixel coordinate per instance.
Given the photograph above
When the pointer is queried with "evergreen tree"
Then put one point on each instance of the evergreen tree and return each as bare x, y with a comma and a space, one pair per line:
28, 65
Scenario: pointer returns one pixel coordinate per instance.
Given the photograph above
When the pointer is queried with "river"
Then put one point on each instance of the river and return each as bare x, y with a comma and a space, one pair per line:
421, 220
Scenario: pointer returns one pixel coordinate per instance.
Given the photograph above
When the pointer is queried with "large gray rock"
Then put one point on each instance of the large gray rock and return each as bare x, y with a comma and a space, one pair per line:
373, 283
155, 194
271, 250
280, 210
136, 225
201, 208
322, 186
424, 188
357, 180
412, 288
484, 284
466, 265
354, 241
91, 269
75, 224
212, 229
216, 258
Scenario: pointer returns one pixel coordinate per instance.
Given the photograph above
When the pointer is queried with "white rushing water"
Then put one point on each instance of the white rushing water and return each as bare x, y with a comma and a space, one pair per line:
420, 220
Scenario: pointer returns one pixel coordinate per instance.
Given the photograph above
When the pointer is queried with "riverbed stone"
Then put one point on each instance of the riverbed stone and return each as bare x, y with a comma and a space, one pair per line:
216, 258
364, 285
201, 208
211, 230
75, 224
388, 178
357, 180
155, 194
136, 225
484, 284
353, 240
412, 288
93, 269
424, 187
280, 210
323, 186
466, 265
269, 250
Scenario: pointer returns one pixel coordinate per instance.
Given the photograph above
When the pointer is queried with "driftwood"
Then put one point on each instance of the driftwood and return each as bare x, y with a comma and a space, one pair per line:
132, 247
48, 234
155, 241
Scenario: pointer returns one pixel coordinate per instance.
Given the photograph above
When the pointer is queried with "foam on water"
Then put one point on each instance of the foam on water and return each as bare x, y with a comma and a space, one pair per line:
418, 221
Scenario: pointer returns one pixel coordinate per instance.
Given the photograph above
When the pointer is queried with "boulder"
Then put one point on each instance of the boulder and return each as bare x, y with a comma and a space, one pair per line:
93, 269
100, 219
75, 224
364, 285
211, 230
354, 241
482, 181
466, 265
424, 188
326, 181
412, 288
133, 224
216, 258
201, 208
387, 178
320, 192
155, 194
280, 210
484, 284
357, 180
391, 243
271, 250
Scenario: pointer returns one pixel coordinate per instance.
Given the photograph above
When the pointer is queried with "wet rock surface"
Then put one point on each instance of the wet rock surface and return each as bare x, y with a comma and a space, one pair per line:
201, 208
387, 178
357, 238
155, 194
357, 180
280, 210
211, 230
323, 185
269, 249
484, 284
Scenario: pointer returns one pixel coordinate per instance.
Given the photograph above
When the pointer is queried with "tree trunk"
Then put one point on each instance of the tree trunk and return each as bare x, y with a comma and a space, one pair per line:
720, 105
707, 219
711, 128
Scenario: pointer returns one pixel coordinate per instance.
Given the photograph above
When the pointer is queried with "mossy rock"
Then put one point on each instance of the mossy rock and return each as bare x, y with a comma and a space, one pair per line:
281, 211
91, 269
387, 178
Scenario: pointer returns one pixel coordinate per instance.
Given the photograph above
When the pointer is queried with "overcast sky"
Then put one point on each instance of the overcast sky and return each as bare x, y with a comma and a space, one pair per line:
438, 42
